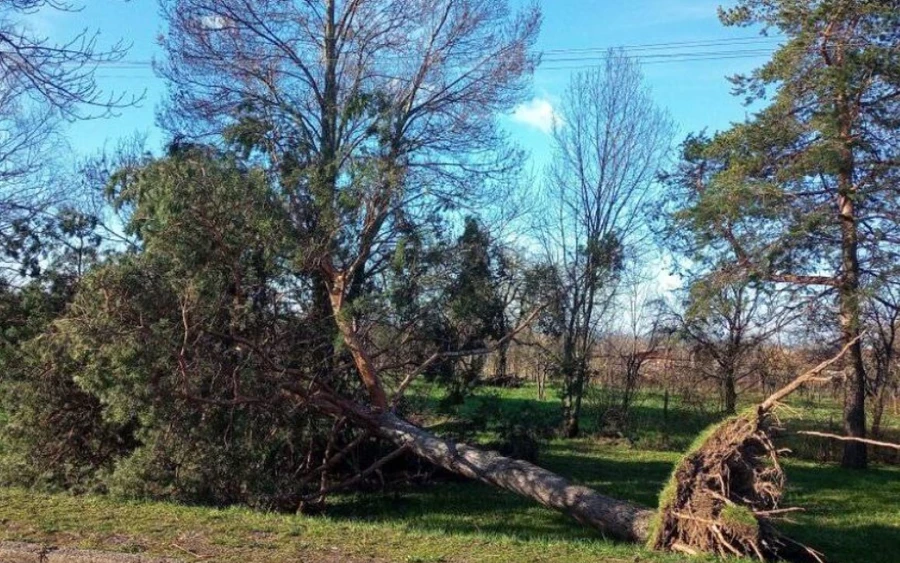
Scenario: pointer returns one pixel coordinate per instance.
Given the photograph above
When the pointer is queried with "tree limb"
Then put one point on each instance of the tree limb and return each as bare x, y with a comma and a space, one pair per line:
850, 439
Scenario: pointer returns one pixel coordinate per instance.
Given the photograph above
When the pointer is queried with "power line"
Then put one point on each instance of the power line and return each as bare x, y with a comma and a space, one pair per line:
669, 45
664, 56
589, 57
683, 58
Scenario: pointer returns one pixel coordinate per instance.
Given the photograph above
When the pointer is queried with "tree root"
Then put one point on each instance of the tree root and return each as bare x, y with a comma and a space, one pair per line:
724, 495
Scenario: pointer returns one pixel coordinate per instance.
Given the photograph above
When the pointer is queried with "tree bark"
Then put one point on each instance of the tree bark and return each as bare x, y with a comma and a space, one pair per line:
612, 517
570, 386
878, 412
572, 403
364, 365
501, 368
730, 392
855, 453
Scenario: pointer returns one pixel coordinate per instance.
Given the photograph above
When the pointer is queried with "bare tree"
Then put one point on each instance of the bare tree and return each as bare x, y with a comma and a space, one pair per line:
42, 82
609, 144
373, 116
728, 322
56, 73
883, 319
629, 346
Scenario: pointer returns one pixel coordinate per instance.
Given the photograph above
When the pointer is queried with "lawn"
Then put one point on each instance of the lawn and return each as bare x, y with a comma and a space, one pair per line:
851, 516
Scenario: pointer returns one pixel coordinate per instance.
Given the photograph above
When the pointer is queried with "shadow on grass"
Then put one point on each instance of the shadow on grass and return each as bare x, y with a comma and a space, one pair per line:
651, 425
624, 473
850, 515
849, 544
473, 508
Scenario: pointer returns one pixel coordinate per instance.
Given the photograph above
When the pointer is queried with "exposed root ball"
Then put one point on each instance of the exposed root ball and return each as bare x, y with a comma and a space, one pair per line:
723, 494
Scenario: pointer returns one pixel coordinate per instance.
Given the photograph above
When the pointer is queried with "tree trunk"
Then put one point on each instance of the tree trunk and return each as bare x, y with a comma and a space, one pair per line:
570, 384
574, 393
730, 393
571, 428
614, 518
666, 410
541, 382
855, 453
501, 368
878, 412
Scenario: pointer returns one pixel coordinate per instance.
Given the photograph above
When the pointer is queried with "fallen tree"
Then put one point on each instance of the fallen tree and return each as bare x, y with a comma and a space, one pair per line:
370, 133
722, 497
612, 517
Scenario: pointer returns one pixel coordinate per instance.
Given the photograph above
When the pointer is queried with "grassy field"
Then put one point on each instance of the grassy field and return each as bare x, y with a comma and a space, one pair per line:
851, 516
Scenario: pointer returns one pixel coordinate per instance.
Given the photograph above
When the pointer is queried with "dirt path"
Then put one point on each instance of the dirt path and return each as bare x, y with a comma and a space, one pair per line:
21, 552
18, 552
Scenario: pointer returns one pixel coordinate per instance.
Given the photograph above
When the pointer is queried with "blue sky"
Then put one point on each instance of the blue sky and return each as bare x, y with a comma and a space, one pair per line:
695, 92
662, 33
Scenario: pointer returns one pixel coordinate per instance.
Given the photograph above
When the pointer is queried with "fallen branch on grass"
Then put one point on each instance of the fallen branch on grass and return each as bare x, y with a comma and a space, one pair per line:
196, 556
850, 439
359, 476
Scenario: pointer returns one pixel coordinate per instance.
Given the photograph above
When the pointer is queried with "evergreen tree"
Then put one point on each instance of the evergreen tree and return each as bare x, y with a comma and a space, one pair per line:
805, 192
475, 312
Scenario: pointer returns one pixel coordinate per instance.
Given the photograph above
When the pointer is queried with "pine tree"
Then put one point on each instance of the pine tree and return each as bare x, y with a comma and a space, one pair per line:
805, 192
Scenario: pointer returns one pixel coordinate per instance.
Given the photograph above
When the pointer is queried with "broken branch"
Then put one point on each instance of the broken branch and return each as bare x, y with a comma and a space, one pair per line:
850, 439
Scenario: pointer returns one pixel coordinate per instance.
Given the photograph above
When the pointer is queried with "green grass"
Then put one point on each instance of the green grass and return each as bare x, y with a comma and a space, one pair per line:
851, 516
442, 524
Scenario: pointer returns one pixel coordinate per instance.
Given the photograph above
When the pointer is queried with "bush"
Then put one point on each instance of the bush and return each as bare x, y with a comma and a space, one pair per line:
139, 383
519, 442
52, 433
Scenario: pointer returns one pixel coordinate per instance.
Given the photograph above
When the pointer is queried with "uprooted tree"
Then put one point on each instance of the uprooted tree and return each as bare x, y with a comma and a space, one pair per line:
360, 127
371, 119
197, 333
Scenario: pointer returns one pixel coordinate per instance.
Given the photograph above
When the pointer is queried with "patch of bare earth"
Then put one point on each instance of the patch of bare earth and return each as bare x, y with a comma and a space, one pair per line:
18, 552
193, 546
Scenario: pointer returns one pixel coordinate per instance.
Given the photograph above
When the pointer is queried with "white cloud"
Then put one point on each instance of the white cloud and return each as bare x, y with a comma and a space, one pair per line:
214, 22
44, 22
538, 113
